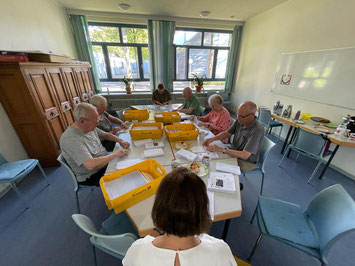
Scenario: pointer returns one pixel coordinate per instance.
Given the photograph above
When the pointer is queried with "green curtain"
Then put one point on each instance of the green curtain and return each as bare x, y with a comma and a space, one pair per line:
161, 53
83, 45
233, 58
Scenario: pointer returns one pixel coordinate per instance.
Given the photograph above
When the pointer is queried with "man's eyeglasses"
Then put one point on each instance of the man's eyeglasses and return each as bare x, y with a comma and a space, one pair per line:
244, 116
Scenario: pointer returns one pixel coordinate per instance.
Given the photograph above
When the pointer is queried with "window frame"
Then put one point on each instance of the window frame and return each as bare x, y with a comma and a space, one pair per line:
104, 46
201, 46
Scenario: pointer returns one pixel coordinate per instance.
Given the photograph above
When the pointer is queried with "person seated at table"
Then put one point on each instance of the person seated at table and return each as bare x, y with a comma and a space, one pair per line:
191, 105
218, 120
181, 212
106, 120
82, 149
248, 137
161, 96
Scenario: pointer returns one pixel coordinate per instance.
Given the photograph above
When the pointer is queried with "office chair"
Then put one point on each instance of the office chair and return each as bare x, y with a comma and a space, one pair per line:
10, 172
265, 119
309, 144
115, 245
77, 186
329, 216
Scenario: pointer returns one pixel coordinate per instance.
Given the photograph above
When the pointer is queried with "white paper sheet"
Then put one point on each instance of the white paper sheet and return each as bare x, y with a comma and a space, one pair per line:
126, 163
218, 143
124, 184
212, 155
234, 169
187, 155
154, 145
153, 153
142, 142
145, 128
198, 149
210, 195
221, 182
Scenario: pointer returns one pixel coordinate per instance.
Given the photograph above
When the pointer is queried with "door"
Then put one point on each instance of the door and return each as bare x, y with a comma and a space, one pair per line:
73, 89
62, 93
89, 85
80, 78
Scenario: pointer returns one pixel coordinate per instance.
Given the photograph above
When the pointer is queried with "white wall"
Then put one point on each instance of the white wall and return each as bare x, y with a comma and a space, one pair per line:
298, 25
40, 25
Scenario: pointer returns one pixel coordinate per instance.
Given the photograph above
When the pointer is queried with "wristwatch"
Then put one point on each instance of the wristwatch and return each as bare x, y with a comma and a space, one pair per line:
224, 150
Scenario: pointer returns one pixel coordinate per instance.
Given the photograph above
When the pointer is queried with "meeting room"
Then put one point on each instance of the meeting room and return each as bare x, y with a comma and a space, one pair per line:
177, 133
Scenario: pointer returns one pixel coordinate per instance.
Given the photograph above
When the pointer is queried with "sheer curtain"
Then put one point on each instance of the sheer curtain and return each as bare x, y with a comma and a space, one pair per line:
161, 53
233, 58
83, 45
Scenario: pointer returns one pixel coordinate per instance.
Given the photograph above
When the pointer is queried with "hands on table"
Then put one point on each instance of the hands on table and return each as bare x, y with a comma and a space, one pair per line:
125, 144
121, 153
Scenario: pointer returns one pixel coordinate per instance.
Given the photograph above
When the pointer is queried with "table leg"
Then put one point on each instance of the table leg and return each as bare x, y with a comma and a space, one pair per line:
225, 229
291, 139
286, 139
329, 161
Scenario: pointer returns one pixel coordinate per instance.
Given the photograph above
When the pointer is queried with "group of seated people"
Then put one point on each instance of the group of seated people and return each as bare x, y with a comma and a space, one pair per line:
180, 211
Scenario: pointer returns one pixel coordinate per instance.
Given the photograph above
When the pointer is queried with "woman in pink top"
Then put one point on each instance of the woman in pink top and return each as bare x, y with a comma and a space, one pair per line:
218, 120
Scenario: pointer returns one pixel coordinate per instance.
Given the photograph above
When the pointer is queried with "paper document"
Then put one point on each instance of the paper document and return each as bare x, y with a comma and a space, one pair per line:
187, 155
142, 142
212, 155
234, 169
198, 149
145, 128
221, 182
218, 143
153, 153
210, 195
127, 163
154, 145
124, 184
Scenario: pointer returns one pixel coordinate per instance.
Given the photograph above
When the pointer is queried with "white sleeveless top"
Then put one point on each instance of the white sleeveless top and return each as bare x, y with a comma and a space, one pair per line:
210, 252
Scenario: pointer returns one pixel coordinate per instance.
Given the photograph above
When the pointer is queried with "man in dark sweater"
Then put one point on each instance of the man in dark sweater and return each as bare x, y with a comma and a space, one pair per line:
161, 96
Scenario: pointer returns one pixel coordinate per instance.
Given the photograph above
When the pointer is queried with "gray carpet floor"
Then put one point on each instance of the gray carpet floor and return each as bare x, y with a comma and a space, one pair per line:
45, 234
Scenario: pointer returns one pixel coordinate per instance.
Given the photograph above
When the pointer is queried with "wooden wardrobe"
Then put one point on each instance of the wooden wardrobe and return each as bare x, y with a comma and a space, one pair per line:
39, 99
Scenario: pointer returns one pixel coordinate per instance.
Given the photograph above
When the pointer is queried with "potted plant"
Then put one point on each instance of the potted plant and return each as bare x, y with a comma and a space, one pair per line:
128, 83
198, 81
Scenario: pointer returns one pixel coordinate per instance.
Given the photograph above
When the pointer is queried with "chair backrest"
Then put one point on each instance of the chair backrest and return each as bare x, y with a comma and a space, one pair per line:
63, 162
264, 117
142, 101
116, 245
267, 145
310, 143
2, 159
332, 214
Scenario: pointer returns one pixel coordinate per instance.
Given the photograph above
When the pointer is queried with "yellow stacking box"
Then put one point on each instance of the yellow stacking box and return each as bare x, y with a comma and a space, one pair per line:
167, 117
183, 132
146, 134
139, 115
131, 198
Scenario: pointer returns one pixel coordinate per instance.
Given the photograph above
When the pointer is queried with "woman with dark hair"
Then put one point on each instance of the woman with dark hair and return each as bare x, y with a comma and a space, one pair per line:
180, 211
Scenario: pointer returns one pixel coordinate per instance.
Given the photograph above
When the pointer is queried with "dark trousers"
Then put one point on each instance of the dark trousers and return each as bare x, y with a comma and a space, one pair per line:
94, 180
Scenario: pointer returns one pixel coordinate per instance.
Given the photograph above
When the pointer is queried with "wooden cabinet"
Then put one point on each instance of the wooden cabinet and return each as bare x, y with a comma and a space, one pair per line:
39, 99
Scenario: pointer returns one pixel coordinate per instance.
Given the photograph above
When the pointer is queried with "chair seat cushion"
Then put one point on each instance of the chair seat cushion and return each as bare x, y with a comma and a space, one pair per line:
275, 124
12, 170
286, 221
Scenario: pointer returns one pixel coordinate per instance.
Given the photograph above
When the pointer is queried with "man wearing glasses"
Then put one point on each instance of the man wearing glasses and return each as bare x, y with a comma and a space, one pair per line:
82, 149
248, 138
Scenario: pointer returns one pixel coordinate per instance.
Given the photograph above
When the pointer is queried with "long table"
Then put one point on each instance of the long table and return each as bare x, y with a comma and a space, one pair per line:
309, 126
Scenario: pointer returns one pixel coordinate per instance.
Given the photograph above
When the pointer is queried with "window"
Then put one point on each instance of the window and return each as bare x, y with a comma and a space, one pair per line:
204, 52
120, 51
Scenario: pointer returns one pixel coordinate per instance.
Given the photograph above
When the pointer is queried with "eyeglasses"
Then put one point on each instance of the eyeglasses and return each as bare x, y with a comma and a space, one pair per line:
92, 121
244, 116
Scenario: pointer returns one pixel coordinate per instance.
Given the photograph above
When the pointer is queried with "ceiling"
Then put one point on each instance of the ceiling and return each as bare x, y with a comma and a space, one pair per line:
232, 10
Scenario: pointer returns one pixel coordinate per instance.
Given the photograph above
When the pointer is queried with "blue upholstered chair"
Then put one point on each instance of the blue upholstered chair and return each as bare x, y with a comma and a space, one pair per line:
118, 224
77, 187
10, 172
265, 119
115, 245
308, 144
329, 216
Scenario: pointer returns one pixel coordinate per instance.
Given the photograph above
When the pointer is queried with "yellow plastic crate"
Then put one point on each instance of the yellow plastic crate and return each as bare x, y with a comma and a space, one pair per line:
146, 134
167, 117
131, 198
139, 115
188, 132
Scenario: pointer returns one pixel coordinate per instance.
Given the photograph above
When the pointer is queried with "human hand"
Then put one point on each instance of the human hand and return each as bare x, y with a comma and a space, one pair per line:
124, 126
203, 124
207, 142
121, 153
192, 118
124, 144
214, 147
114, 130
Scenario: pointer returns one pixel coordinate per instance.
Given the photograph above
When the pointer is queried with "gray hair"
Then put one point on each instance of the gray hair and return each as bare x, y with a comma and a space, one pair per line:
98, 100
215, 98
81, 109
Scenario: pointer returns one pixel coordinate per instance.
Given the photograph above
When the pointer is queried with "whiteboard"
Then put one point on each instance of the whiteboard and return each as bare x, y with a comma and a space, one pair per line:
326, 76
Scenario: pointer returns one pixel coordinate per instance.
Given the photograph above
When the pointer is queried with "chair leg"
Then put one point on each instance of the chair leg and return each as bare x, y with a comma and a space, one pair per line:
279, 134
315, 171
255, 246
43, 173
283, 157
77, 201
262, 184
254, 214
94, 252
19, 194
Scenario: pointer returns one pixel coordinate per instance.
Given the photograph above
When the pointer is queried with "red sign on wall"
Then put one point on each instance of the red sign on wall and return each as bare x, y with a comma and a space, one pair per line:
285, 79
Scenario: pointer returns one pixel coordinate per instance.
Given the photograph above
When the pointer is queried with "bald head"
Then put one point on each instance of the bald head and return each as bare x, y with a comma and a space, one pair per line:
187, 92
246, 113
250, 107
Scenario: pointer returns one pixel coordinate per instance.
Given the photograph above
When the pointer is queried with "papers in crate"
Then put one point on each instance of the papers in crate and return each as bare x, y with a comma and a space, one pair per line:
145, 128
221, 182
126, 183
234, 169
153, 153
187, 155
